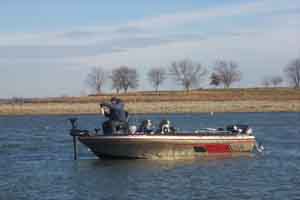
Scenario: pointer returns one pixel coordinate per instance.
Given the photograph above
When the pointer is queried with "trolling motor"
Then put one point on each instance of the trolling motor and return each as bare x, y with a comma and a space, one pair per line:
75, 132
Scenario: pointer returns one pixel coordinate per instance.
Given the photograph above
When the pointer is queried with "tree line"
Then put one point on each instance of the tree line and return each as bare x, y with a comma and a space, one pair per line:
186, 73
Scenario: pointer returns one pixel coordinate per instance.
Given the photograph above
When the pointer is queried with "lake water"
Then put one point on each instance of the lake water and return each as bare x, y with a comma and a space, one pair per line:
36, 163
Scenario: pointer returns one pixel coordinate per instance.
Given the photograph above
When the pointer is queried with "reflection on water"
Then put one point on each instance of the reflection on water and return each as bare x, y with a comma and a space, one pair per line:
36, 163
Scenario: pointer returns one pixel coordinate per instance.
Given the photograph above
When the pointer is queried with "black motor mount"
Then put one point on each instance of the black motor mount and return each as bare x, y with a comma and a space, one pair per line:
74, 130
239, 128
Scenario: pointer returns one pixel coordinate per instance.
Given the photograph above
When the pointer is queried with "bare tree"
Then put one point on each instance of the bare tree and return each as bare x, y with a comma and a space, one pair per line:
156, 77
228, 72
272, 80
266, 81
276, 80
96, 78
187, 73
292, 71
124, 78
116, 80
215, 80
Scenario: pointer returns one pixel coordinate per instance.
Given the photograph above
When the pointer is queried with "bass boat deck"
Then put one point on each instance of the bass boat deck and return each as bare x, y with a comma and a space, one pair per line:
166, 145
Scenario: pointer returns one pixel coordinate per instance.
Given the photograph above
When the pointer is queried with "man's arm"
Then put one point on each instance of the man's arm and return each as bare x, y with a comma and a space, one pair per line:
117, 106
105, 104
102, 110
105, 109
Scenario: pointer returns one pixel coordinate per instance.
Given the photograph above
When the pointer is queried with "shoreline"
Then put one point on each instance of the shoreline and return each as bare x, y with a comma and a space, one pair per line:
184, 107
164, 102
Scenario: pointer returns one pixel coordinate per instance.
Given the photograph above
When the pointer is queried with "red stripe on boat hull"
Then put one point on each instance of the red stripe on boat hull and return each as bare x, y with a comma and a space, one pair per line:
217, 148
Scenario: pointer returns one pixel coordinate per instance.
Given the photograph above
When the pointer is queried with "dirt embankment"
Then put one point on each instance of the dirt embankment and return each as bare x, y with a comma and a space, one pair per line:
218, 100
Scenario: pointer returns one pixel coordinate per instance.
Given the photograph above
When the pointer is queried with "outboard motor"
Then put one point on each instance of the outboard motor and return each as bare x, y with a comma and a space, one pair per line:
239, 129
165, 127
259, 147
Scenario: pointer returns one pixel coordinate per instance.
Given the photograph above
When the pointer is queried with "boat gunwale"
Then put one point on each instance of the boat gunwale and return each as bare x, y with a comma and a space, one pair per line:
170, 137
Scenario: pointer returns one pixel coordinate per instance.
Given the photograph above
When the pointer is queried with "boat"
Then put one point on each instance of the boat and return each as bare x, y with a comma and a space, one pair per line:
166, 143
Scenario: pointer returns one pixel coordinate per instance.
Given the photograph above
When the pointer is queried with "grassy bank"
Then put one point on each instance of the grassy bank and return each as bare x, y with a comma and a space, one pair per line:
234, 100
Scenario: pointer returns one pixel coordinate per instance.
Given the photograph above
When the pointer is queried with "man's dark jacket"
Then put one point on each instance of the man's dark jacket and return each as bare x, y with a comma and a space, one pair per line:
117, 112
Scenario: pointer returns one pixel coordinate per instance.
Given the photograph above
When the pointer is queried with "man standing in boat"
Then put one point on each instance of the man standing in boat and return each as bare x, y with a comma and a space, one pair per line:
117, 116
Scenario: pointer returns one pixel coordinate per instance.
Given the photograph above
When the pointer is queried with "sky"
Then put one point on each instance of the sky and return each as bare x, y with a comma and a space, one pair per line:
48, 47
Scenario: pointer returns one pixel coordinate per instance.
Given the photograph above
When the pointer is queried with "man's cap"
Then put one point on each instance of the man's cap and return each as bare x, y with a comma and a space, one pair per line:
114, 99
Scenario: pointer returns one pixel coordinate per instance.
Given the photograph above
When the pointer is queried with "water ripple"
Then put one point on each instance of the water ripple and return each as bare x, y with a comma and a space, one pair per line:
36, 163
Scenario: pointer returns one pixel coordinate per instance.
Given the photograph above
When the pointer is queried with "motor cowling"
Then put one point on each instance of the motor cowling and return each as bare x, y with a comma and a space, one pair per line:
240, 129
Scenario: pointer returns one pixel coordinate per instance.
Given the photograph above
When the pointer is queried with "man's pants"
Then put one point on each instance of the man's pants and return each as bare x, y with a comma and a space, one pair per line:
114, 127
